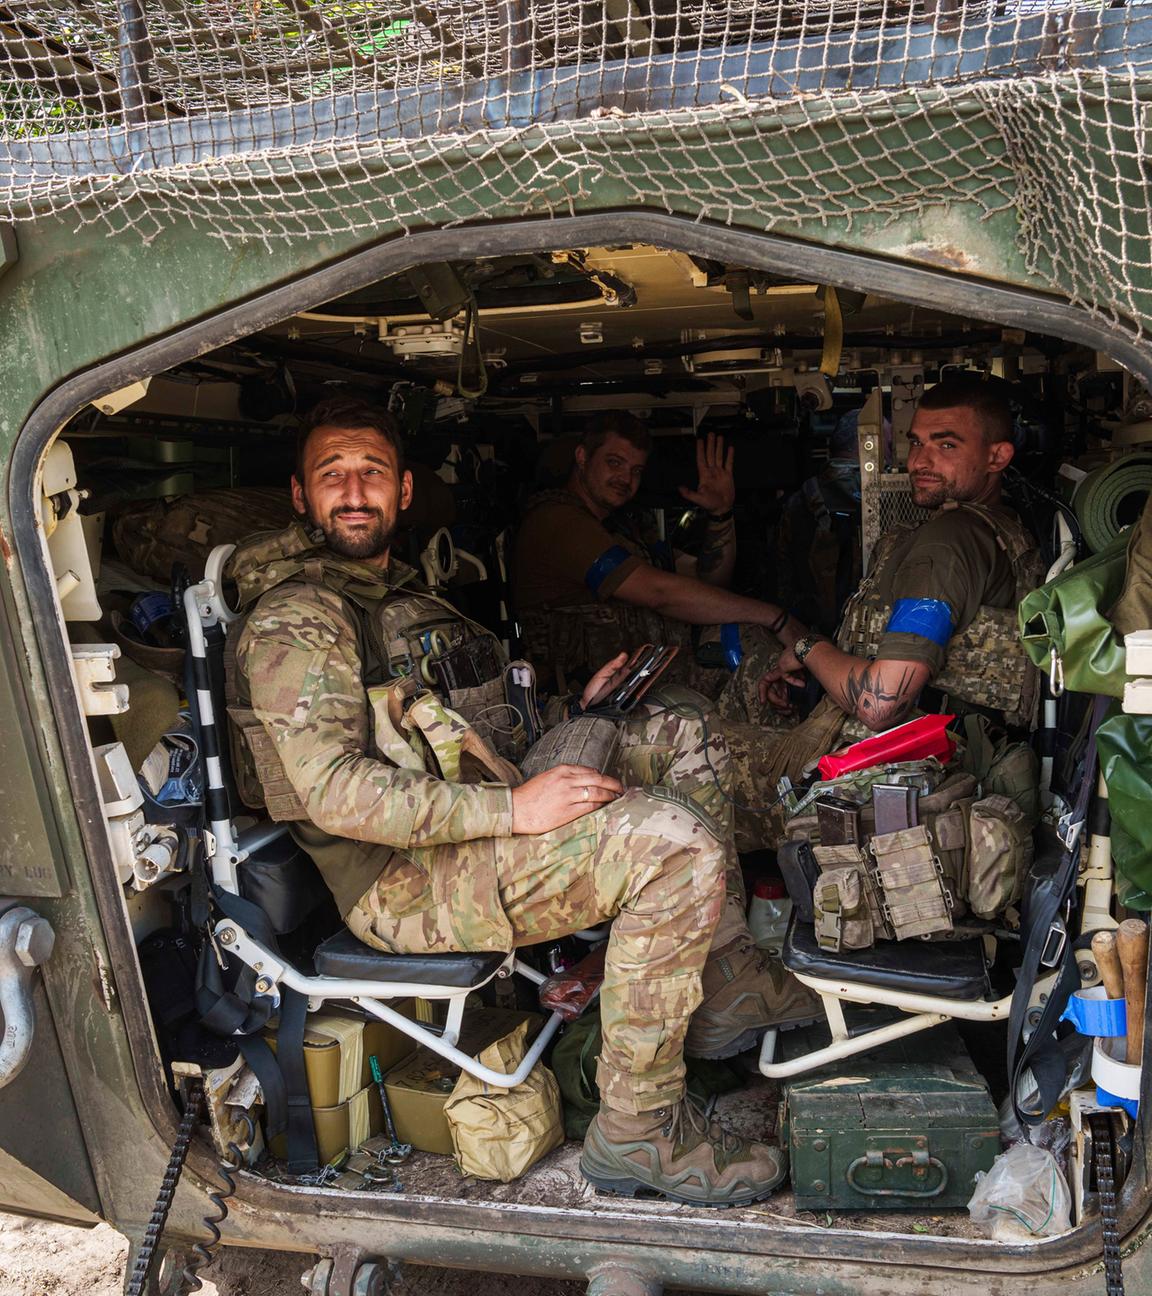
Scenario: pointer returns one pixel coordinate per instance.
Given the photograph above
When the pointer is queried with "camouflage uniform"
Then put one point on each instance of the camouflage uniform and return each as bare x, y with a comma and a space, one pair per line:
568, 565
979, 561
420, 864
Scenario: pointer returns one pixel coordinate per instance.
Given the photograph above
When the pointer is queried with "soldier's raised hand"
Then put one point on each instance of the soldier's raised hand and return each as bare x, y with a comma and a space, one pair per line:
716, 491
559, 795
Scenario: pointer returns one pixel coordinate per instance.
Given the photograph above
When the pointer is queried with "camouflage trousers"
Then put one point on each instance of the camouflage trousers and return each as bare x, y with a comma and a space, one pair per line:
655, 862
760, 757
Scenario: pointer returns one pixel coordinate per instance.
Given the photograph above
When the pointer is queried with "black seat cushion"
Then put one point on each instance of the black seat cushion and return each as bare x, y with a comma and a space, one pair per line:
344, 956
947, 969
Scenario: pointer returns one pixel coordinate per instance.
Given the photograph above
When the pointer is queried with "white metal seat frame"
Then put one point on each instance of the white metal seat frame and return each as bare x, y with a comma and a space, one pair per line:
924, 1011
204, 607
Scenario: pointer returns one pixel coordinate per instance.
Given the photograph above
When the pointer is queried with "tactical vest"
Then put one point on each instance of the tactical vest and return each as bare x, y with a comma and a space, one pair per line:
966, 858
985, 665
403, 631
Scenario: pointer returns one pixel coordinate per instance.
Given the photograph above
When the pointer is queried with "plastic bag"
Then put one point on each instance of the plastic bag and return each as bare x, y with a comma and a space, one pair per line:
570, 991
499, 1133
1023, 1196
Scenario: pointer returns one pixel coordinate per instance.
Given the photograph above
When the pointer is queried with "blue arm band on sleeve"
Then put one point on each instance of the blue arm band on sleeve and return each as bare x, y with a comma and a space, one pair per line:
604, 566
730, 644
928, 618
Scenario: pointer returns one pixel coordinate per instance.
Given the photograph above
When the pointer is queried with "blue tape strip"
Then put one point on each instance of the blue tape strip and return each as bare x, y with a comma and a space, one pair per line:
731, 645
149, 608
604, 566
928, 618
1093, 1016
1105, 1099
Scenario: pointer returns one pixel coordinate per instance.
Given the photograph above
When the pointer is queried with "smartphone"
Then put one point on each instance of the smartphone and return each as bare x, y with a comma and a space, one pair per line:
643, 669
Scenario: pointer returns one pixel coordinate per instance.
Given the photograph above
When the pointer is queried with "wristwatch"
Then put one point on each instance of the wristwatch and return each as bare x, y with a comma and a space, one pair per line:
803, 646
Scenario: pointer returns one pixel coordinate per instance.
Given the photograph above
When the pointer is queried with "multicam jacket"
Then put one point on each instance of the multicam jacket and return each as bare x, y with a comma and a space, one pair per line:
325, 646
985, 664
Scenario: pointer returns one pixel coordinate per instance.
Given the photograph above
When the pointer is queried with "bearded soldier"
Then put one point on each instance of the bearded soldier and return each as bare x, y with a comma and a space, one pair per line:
381, 773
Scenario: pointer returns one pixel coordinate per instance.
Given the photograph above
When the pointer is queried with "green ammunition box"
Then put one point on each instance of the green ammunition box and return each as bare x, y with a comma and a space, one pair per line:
889, 1136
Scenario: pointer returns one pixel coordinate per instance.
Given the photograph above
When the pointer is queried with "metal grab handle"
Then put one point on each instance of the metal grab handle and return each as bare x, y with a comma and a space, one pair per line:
26, 941
875, 1161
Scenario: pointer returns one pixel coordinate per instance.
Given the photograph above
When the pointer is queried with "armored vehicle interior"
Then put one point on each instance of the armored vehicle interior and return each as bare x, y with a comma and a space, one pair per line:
493, 368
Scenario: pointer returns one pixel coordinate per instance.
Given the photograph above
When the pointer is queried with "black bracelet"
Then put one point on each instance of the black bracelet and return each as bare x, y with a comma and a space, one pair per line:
777, 626
575, 708
722, 517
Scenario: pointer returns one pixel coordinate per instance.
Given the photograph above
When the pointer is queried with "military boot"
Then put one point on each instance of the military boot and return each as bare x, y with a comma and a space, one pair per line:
678, 1152
745, 992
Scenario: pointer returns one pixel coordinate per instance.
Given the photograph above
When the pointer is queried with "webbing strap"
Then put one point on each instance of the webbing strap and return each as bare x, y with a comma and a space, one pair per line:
235, 1012
1041, 1054
282, 1076
303, 1156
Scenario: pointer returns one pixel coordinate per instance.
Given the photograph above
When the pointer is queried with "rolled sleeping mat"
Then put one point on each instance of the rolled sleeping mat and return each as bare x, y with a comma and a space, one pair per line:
1112, 497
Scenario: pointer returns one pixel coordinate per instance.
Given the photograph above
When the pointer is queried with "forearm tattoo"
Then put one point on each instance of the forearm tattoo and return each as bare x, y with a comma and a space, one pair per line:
866, 696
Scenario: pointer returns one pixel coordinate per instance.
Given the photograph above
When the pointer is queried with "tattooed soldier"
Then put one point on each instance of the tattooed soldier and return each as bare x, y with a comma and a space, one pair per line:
345, 722
586, 583
933, 624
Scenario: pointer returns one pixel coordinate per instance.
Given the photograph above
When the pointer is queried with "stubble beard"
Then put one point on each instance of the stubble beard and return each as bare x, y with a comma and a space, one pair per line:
937, 494
363, 543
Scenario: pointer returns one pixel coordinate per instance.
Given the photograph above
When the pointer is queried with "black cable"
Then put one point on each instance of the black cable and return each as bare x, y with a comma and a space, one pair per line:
202, 1251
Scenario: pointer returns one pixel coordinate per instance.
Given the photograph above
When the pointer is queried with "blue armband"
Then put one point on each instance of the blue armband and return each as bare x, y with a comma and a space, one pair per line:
604, 566
730, 643
928, 618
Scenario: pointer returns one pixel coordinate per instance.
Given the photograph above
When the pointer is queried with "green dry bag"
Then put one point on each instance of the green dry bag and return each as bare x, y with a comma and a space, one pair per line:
1065, 628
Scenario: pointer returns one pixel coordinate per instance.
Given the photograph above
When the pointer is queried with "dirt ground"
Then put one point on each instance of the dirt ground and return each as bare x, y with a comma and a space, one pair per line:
39, 1259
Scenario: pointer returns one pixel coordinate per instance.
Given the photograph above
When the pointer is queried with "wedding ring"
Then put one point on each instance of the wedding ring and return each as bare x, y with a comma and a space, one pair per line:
587, 794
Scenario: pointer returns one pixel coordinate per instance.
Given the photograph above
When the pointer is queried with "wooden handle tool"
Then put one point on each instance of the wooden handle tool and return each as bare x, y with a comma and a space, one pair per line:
1108, 961
1132, 946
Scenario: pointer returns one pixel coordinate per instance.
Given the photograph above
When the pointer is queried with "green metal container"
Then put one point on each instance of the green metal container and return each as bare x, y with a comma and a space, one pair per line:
889, 1136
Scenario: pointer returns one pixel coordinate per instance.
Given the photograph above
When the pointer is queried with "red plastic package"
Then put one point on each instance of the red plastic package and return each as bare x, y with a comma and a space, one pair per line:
571, 991
916, 740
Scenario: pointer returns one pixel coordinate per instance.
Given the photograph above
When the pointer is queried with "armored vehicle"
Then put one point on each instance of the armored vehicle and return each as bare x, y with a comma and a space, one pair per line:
501, 219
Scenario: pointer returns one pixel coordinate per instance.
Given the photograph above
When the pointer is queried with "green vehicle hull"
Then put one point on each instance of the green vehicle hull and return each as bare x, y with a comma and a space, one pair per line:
82, 314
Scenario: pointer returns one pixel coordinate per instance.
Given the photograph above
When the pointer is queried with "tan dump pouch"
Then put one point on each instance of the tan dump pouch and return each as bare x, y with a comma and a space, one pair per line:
843, 906
500, 1133
259, 772
910, 880
999, 854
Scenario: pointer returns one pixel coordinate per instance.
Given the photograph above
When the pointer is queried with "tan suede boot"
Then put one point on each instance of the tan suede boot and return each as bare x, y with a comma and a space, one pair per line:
745, 992
677, 1152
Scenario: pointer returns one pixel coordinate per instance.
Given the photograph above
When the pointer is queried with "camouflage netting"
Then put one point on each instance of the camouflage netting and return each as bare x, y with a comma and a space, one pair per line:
285, 118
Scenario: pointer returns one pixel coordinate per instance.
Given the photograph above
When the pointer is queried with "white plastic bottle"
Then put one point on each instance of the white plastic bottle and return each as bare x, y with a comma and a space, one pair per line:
768, 914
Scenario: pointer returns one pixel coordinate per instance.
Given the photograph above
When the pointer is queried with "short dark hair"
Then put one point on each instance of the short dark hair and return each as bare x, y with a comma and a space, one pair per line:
348, 412
616, 423
982, 393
